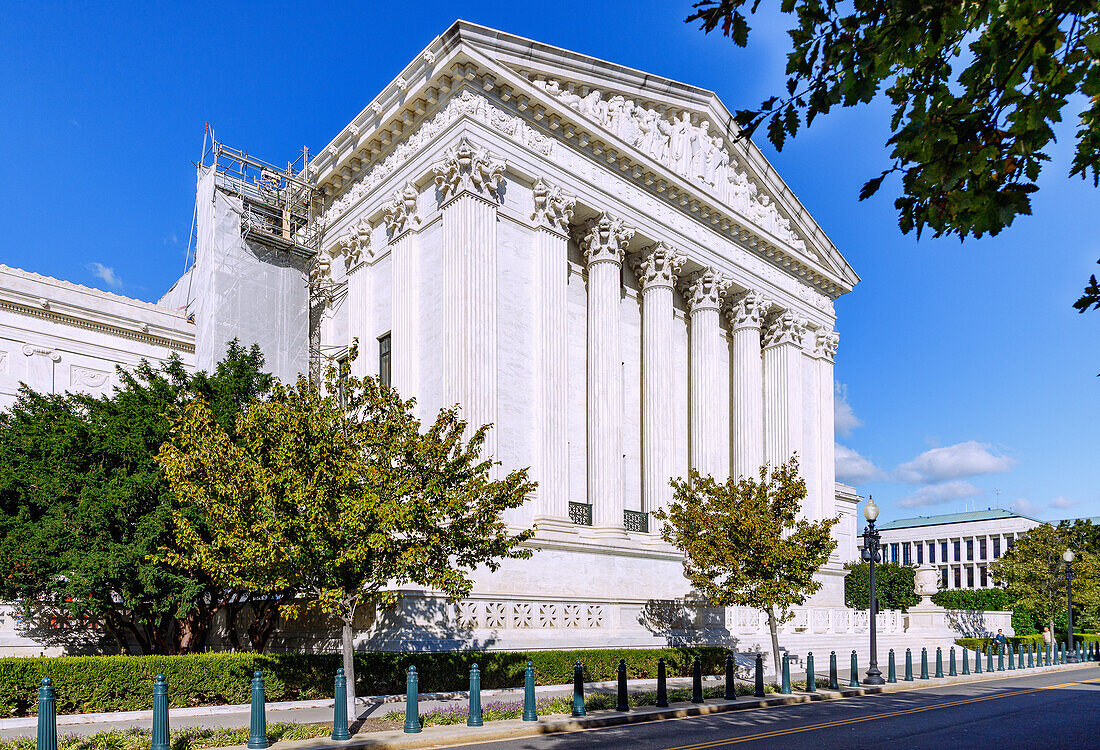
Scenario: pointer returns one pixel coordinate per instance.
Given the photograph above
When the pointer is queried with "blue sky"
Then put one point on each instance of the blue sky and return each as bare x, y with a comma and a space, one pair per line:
967, 378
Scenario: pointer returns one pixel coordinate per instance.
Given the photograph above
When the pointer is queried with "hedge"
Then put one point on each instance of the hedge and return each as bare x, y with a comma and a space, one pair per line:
92, 684
1023, 640
983, 600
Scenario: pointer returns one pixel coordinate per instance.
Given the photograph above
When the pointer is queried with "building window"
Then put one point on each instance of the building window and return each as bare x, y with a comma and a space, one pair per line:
906, 559
970, 576
943, 578
920, 554
969, 549
958, 576
931, 552
943, 551
981, 548
1010, 539
894, 552
996, 547
384, 359
983, 577
958, 550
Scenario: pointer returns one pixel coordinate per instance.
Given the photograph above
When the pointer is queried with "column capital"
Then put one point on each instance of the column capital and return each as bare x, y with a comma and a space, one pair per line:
604, 239
704, 290
468, 169
784, 328
825, 344
402, 213
658, 266
553, 209
748, 310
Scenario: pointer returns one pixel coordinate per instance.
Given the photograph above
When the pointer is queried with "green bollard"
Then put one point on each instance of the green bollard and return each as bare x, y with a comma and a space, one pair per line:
853, 681
908, 665
785, 687
939, 662
623, 703
1000, 658
1030, 657
160, 715
811, 678
758, 687
965, 662
257, 733
340, 708
731, 682
1059, 657
833, 683
1020, 657
697, 680
529, 713
977, 661
891, 669
662, 685
412, 705
924, 663
989, 659
475, 719
951, 672
47, 716
578, 687
1011, 658
1049, 654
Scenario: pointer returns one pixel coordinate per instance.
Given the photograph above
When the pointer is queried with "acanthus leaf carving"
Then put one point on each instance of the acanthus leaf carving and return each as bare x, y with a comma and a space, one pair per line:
402, 213
469, 168
705, 289
603, 238
784, 328
748, 311
825, 344
553, 208
658, 266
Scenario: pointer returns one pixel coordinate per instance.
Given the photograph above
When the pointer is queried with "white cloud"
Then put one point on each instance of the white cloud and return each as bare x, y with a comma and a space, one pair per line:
105, 274
853, 468
1062, 502
1025, 506
967, 459
844, 419
938, 494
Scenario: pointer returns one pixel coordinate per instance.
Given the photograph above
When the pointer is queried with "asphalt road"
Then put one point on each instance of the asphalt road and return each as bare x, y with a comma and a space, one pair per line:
1053, 710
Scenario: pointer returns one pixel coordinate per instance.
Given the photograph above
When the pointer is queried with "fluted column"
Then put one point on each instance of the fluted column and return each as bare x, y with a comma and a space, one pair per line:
552, 213
825, 345
656, 269
782, 388
467, 182
745, 316
604, 242
709, 450
402, 222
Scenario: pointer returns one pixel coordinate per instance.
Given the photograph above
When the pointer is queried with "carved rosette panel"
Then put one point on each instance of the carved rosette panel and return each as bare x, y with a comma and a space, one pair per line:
468, 615
86, 377
523, 615
402, 213
658, 266
604, 239
825, 344
548, 615
784, 328
706, 289
553, 209
571, 615
748, 311
496, 615
469, 169
594, 615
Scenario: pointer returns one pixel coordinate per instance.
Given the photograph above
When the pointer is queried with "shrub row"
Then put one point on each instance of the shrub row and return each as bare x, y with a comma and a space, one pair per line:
1022, 640
984, 600
91, 684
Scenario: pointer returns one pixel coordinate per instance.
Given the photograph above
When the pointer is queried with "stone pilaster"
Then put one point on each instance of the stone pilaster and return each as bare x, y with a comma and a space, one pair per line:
355, 247
552, 213
709, 448
824, 353
468, 182
603, 241
656, 269
782, 388
746, 316
402, 217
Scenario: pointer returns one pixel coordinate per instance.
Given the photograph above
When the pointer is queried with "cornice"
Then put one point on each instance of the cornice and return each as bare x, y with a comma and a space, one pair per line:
56, 316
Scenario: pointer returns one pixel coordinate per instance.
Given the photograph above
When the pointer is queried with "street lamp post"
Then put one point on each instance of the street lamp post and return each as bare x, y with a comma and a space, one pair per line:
1071, 657
870, 553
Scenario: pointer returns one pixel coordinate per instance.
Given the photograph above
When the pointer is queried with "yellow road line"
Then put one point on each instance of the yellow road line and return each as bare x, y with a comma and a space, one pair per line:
873, 717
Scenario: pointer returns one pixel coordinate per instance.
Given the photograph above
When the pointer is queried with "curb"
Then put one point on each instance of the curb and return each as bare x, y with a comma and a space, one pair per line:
445, 736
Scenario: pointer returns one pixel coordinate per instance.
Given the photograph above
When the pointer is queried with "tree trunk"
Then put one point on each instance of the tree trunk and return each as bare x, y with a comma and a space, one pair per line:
773, 626
264, 621
347, 635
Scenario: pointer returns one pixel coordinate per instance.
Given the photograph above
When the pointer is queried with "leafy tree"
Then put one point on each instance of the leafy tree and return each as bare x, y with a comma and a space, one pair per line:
83, 504
1033, 572
976, 88
338, 499
894, 586
744, 544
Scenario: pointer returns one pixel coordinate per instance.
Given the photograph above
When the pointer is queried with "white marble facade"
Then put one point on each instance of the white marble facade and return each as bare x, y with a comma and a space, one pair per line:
580, 254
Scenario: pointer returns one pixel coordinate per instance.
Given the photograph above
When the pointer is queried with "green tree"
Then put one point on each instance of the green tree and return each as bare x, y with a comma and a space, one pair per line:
339, 498
976, 88
1033, 572
83, 504
744, 543
894, 586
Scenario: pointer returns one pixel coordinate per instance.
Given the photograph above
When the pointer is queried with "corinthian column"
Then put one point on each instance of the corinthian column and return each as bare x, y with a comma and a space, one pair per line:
747, 383
656, 269
468, 181
402, 222
604, 242
709, 451
552, 213
824, 352
782, 388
